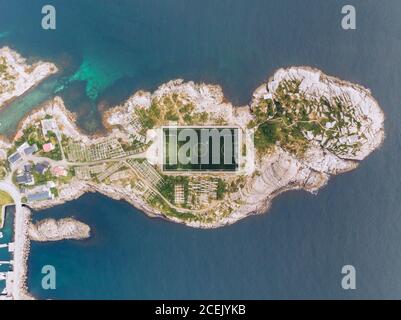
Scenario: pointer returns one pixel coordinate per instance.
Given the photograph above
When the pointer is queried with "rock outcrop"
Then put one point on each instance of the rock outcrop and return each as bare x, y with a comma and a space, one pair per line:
55, 230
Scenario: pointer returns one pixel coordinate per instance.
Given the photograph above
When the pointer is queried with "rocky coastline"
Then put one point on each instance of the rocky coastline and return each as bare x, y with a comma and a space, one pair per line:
17, 76
277, 172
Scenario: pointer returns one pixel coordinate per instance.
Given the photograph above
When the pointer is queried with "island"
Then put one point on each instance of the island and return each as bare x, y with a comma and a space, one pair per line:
184, 153
56, 230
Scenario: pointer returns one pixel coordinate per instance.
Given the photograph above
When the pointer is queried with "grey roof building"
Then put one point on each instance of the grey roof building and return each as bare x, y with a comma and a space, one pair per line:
40, 196
14, 158
25, 178
31, 150
42, 167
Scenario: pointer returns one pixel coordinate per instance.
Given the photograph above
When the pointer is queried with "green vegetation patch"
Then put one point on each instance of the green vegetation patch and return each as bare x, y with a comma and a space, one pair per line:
291, 119
221, 188
158, 203
168, 187
3, 169
171, 107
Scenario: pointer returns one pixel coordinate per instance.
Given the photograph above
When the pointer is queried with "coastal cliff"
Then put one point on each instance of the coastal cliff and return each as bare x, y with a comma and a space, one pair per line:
55, 230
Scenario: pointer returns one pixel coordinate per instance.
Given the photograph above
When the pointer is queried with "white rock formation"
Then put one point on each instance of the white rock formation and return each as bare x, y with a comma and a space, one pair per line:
19, 76
55, 230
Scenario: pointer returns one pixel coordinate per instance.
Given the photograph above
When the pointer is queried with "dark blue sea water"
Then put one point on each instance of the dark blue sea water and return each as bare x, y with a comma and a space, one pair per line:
8, 236
108, 49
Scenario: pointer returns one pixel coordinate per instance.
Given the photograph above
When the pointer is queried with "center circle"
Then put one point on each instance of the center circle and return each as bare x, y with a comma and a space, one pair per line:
201, 149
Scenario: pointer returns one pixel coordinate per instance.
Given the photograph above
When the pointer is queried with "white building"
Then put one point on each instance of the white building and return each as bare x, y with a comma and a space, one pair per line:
49, 125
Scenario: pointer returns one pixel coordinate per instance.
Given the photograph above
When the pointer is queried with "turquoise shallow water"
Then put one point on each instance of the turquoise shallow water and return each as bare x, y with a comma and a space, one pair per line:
109, 49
